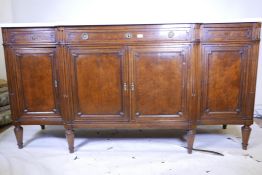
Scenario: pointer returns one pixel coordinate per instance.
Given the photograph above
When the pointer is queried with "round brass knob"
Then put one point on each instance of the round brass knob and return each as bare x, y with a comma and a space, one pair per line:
84, 36
171, 34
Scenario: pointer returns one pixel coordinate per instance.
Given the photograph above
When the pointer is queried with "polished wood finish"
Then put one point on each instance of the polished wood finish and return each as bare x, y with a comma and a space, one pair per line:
224, 81
98, 75
31, 36
158, 71
190, 140
246, 130
128, 34
165, 76
19, 136
70, 139
36, 73
228, 32
35, 84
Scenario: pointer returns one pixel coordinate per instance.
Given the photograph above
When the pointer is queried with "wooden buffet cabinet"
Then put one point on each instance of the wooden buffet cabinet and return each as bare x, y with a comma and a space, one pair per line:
174, 76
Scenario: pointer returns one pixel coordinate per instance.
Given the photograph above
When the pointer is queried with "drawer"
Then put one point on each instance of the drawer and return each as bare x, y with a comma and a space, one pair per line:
126, 34
220, 32
27, 36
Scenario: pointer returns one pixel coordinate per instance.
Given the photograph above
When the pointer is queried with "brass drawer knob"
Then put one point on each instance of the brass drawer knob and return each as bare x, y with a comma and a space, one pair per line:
171, 34
84, 36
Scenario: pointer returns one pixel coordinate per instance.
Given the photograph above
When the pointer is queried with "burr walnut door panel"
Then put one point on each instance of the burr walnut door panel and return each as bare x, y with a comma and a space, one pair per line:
226, 72
160, 81
99, 80
36, 80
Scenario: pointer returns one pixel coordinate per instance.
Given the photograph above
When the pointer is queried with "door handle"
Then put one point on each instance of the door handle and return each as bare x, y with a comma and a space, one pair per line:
132, 86
125, 86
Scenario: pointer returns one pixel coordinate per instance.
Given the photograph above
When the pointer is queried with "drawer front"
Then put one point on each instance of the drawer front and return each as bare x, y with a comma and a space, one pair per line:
226, 33
27, 36
113, 35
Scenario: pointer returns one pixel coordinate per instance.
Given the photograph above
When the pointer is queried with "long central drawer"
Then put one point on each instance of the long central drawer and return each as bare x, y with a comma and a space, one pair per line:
118, 34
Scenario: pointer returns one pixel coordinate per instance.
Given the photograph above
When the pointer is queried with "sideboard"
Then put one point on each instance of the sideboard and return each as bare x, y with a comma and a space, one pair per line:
157, 76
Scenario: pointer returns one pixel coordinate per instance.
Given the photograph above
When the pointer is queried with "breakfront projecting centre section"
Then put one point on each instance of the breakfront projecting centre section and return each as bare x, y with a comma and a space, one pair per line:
174, 76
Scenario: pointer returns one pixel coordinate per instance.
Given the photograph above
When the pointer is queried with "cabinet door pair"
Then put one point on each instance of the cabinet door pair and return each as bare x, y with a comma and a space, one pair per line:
142, 83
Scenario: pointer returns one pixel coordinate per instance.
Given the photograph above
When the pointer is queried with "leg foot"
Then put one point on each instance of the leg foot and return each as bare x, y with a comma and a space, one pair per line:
70, 139
190, 140
42, 127
246, 130
224, 126
19, 136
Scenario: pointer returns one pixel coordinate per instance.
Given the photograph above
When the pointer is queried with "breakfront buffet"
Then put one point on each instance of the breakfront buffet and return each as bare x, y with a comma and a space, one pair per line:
158, 76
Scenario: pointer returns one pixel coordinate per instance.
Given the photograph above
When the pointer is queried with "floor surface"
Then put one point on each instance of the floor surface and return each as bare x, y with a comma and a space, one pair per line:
136, 152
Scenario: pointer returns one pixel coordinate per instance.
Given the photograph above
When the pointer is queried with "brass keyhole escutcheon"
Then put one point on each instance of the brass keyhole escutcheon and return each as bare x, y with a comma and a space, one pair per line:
34, 37
128, 35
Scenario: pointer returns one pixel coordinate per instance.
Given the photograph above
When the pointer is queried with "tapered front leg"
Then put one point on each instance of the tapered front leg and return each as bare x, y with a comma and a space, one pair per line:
42, 127
190, 140
19, 136
70, 139
246, 130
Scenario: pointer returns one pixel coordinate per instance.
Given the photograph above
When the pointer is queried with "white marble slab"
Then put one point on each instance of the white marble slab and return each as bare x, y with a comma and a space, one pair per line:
73, 23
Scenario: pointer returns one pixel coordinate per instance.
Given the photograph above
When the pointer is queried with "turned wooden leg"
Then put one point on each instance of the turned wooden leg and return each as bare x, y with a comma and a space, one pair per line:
19, 136
246, 130
224, 126
42, 127
70, 139
190, 140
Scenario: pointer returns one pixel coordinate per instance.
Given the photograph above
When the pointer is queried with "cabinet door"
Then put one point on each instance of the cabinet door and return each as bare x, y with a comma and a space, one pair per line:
160, 82
35, 72
99, 80
225, 81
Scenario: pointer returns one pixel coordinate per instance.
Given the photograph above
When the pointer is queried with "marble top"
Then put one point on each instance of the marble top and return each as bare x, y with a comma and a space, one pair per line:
74, 23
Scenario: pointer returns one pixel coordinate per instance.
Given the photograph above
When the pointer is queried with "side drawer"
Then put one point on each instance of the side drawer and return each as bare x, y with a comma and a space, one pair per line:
226, 32
113, 34
30, 35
